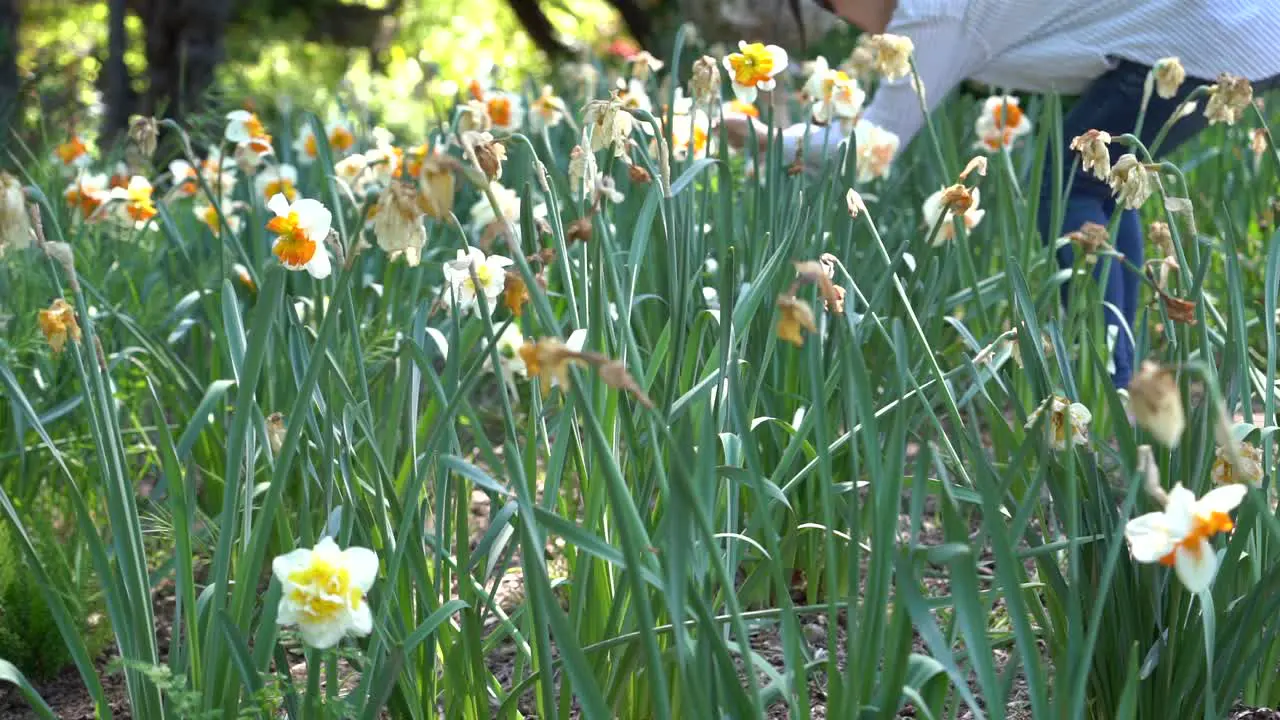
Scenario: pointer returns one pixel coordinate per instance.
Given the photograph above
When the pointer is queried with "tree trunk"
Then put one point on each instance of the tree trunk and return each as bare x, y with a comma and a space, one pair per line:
117, 87
184, 47
9, 18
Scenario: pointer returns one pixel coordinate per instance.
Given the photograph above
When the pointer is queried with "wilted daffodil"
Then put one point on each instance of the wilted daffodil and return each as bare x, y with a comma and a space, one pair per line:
398, 223
1178, 536
323, 592
1095, 153
1247, 470
301, 229
1067, 420
753, 68
58, 323
794, 315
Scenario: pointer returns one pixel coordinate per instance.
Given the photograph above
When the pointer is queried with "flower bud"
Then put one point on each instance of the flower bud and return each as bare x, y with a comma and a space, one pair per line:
143, 135
704, 83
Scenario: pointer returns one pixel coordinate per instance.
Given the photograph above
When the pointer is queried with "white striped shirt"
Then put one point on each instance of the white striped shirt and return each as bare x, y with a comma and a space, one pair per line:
1063, 45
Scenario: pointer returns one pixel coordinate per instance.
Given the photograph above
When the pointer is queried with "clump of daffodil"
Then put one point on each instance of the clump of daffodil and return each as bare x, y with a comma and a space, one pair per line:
794, 315
15, 223
832, 94
301, 229
1169, 76
1095, 155
1130, 181
208, 215
58, 323
398, 223
1156, 403
1178, 535
87, 193
1068, 422
339, 138
323, 592
753, 68
1228, 99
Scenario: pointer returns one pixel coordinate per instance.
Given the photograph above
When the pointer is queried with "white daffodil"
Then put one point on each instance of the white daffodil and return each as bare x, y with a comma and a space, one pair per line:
490, 271
219, 172
1066, 420
245, 129
506, 110
833, 94
935, 207
209, 216
184, 178
753, 68
340, 139
351, 171
876, 148
301, 229
73, 155
279, 179
1178, 536
1001, 123
546, 111
323, 592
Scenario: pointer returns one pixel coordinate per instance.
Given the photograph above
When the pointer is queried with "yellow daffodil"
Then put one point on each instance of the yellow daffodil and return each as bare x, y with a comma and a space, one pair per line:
137, 203
323, 592
832, 94
1179, 535
506, 110
301, 229
753, 68
549, 359
58, 323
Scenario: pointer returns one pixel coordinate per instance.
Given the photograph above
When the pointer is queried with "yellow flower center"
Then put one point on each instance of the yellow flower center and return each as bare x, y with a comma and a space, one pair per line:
751, 66
341, 139
295, 248
483, 273
1202, 528
1007, 116
322, 590
210, 217
413, 165
283, 186
310, 146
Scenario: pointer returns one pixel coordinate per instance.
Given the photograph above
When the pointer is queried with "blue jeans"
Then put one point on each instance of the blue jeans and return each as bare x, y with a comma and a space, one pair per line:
1112, 103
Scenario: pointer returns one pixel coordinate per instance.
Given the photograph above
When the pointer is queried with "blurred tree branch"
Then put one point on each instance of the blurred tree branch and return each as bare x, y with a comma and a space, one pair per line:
9, 19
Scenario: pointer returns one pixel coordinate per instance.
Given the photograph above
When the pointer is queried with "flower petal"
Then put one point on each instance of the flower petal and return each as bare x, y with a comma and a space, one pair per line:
285, 564
362, 564
319, 266
1222, 500
779, 59
361, 620
745, 93
279, 204
323, 635
1148, 537
438, 337
1196, 565
314, 218
577, 340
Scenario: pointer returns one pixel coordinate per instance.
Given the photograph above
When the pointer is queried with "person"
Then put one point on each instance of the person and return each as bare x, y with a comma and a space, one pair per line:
1101, 51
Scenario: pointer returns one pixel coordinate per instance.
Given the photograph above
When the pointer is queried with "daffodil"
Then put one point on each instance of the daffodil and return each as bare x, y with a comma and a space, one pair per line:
546, 110
736, 107
72, 155
208, 215
753, 68
690, 133
58, 323
279, 179
436, 185
351, 171
1228, 99
891, 55
87, 193
633, 95
610, 125
1157, 403
938, 206
510, 361
1095, 152
340, 140
219, 172
184, 177
832, 93
549, 359
876, 149
1247, 470
323, 592
1130, 181
483, 217
383, 165
1169, 76
1001, 123
464, 291
301, 228
398, 223
794, 314
137, 204
704, 81
1179, 535
245, 129
506, 110
1068, 421
413, 159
